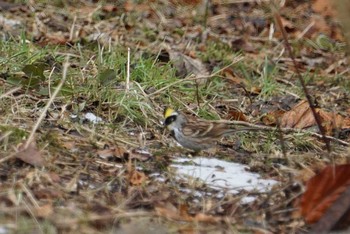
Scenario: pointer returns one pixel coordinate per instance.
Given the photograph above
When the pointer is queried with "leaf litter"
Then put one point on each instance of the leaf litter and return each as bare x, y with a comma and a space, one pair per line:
116, 174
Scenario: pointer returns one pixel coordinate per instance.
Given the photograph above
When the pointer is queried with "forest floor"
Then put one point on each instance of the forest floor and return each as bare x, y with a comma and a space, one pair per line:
83, 148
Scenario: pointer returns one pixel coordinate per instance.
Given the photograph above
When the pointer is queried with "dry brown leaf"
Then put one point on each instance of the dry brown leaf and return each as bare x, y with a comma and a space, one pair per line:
118, 152
185, 65
54, 177
255, 90
48, 193
68, 145
44, 211
272, 117
236, 115
291, 118
30, 155
54, 39
137, 178
105, 153
300, 116
242, 44
307, 173
287, 24
201, 217
141, 7
332, 121
109, 8
171, 212
228, 74
322, 190
324, 7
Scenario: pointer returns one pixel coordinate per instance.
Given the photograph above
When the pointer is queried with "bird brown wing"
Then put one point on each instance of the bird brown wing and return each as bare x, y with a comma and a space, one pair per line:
206, 129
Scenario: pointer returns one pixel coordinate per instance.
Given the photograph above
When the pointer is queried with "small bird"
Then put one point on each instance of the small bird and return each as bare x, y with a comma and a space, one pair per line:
195, 135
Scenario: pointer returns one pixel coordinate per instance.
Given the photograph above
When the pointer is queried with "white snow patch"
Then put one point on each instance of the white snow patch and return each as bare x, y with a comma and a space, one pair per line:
92, 118
223, 176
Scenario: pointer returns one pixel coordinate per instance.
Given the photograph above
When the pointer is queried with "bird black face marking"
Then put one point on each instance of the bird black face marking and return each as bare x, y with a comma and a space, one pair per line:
169, 120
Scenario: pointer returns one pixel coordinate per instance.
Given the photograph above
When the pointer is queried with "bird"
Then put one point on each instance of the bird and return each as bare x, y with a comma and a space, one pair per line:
196, 135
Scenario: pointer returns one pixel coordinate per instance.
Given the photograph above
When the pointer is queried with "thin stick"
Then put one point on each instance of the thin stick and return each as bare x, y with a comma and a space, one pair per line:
302, 82
128, 72
43, 113
284, 130
8, 93
8, 157
71, 33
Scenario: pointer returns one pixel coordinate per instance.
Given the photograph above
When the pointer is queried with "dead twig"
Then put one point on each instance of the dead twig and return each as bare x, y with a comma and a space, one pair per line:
43, 113
284, 130
127, 85
302, 82
8, 93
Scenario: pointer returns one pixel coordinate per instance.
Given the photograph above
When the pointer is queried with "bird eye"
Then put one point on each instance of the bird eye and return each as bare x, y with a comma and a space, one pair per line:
169, 120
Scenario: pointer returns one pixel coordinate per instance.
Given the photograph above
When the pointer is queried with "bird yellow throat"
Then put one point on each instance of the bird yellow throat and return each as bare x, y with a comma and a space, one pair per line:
168, 112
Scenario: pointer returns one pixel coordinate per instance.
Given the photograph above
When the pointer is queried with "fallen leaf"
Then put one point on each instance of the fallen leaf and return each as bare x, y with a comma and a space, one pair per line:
240, 44
324, 7
272, 117
336, 217
48, 193
137, 178
287, 24
185, 66
54, 177
201, 217
30, 155
169, 211
44, 211
322, 190
255, 90
236, 115
109, 8
300, 116
118, 152
229, 75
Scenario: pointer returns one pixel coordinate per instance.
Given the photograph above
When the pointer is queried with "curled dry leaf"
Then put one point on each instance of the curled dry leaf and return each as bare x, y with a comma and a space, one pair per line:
201, 217
171, 212
324, 7
336, 217
300, 116
255, 90
236, 115
272, 117
322, 190
48, 193
30, 155
137, 178
186, 66
44, 211
118, 152
233, 78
